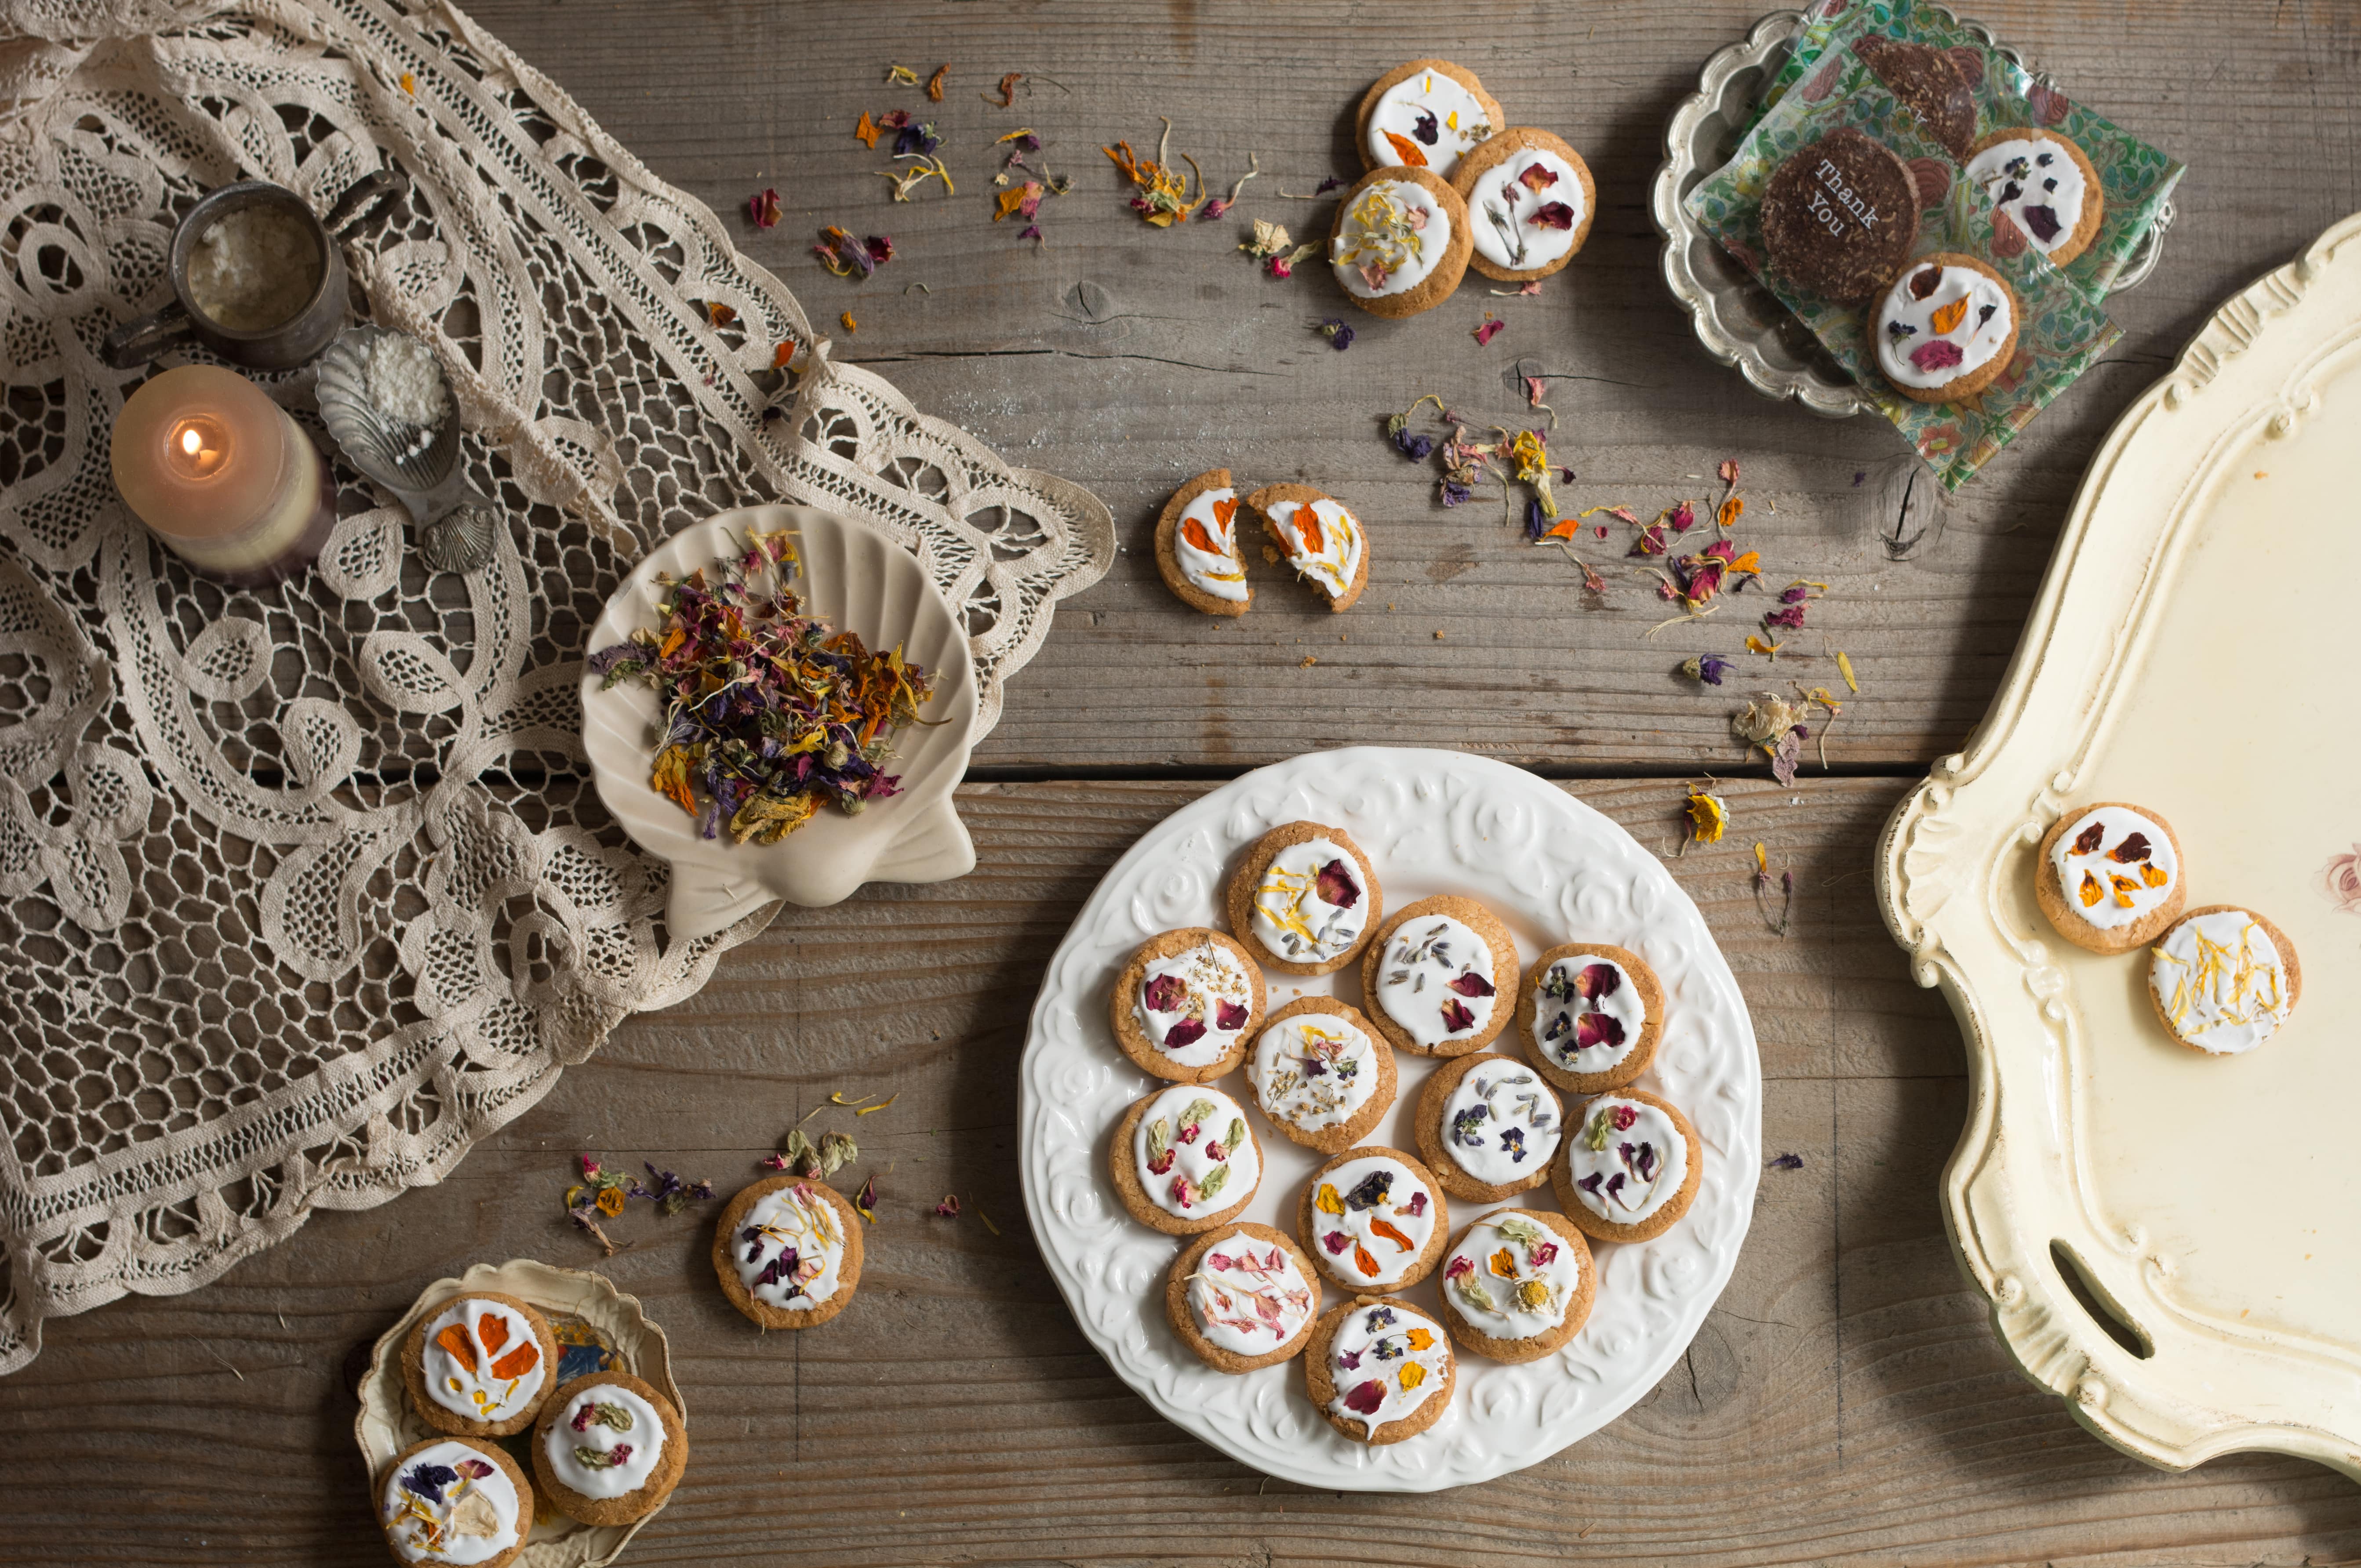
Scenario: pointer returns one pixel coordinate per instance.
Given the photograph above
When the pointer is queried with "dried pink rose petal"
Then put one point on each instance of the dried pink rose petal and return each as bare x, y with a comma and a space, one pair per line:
1458, 1266
1335, 1241
1365, 1398
1162, 1162
1597, 980
1471, 984
1184, 1035
1535, 177
1456, 1015
1936, 354
1542, 1253
1220, 1260
1166, 993
1231, 1015
1337, 889
1553, 215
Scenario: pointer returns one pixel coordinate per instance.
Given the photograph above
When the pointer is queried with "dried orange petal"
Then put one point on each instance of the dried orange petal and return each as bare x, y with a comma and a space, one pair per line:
518, 1362
454, 1340
1948, 316
2091, 891
1407, 150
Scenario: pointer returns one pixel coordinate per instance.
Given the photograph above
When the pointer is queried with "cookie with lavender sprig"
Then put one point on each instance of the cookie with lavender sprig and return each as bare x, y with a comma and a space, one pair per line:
1304, 899
1438, 977
1488, 1126
1529, 203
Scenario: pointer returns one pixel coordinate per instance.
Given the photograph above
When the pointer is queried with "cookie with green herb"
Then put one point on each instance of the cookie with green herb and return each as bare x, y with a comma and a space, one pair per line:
1518, 1284
1438, 977
1318, 537
1322, 1073
1185, 1160
2109, 876
1530, 202
1840, 215
1400, 242
2045, 193
1631, 1167
455, 1499
479, 1365
1197, 550
1427, 114
1242, 1297
609, 1449
788, 1252
1487, 1127
1186, 1003
1590, 1016
1304, 899
1946, 329
1380, 1370
1373, 1218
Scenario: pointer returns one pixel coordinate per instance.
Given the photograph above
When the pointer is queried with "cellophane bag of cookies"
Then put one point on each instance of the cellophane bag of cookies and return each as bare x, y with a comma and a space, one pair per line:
1914, 101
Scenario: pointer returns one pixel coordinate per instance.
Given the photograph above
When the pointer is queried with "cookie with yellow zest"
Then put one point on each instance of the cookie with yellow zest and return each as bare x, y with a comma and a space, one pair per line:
1198, 552
1305, 899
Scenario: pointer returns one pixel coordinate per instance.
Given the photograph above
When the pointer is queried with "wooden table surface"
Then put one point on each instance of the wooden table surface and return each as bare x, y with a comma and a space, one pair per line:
1846, 1401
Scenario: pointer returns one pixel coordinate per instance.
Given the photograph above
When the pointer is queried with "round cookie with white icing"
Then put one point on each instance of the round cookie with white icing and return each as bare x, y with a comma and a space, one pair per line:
479, 1365
1530, 202
1946, 329
1305, 899
1185, 1160
1373, 1218
1518, 1284
1488, 1126
2044, 192
1630, 1168
1185, 1005
1438, 977
1322, 1073
609, 1449
2223, 980
1380, 1370
1197, 549
2109, 876
454, 1501
1318, 537
1590, 1016
788, 1252
1400, 242
1428, 113
1243, 1297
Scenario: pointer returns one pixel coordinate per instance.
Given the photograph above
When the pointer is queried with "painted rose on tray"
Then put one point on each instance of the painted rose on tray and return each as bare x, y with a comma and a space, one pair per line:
2342, 877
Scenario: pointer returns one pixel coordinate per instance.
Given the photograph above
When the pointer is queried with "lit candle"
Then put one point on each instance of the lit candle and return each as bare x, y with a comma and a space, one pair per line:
222, 476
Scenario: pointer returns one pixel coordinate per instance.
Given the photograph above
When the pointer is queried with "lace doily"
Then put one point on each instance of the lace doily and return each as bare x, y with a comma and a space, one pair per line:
303, 889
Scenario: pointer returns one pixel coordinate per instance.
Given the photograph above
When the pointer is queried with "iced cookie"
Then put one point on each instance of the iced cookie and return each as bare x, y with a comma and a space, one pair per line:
1380, 1371
1929, 82
1186, 1003
1518, 1284
1242, 1297
1530, 202
1315, 535
608, 1450
2108, 876
1426, 114
453, 1499
1185, 1160
788, 1252
1304, 899
1400, 242
1373, 1218
479, 1364
1197, 546
1630, 1169
1840, 215
1946, 329
1487, 1127
2224, 980
1322, 1075
1590, 1016
1438, 976
2044, 192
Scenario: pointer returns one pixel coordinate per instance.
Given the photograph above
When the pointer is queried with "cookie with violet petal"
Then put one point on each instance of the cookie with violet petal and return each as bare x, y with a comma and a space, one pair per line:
2044, 192
1400, 242
1186, 1003
1427, 114
1530, 202
1242, 1297
788, 1252
2224, 980
1590, 1016
1379, 1369
1628, 1168
446, 1492
1322, 1073
1946, 329
1487, 1127
1304, 899
1438, 977
1318, 537
609, 1449
1185, 1160
1840, 215
2108, 876
1373, 1219
1518, 1284
1197, 551
479, 1365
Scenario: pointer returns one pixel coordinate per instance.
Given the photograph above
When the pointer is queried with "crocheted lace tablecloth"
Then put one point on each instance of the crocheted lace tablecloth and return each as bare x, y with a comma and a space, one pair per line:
304, 889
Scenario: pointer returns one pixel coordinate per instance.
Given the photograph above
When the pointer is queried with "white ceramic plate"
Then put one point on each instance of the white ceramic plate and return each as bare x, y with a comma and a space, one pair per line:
1432, 822
2191, 651
858, 581
586, 1310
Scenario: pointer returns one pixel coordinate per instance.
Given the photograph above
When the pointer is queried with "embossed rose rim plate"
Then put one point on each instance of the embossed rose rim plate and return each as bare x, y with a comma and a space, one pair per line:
858, 580
387, 1423
2165, 1237
1432, 822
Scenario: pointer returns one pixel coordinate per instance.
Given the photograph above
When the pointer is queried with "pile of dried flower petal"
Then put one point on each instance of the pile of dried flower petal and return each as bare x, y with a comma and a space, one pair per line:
763, 207
602, 1194
849, 257
1163, 199
1272, 246
768, 713
1709, 815
1022, 187
1777, 726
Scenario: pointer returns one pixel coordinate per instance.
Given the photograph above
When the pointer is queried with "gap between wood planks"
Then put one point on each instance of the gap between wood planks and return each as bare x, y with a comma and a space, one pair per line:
1556, 772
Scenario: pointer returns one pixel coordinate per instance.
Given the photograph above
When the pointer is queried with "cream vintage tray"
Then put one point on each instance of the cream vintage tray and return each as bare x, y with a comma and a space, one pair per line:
2165, 1237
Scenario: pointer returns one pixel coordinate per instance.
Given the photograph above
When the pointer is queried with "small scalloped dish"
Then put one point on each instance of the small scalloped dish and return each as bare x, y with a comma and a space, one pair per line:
856, 580
598, 1329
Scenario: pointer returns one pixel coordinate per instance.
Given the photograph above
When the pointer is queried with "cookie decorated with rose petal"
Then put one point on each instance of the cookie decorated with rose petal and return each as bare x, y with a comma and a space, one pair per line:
455, 1499
1322, 1073
2108, 876
1243, 1297
1185, 1160
788, 1252
1305, 899
1439, 975
1380, 1370
1518, 1284
1373, 1219
1186, 1003
1400, 242
609, 1449
479, 1365
2045, 193
1631, 1167
1197, 549
1428, 113
1530, 202
1487, 1127
1840, 215
1319, 537
2223, 980
1946, 329
1590, 1016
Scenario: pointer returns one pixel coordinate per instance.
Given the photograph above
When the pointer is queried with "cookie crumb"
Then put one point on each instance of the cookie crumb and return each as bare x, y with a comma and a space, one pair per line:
1306, 662
1438, 637
1270, 553
2260, 474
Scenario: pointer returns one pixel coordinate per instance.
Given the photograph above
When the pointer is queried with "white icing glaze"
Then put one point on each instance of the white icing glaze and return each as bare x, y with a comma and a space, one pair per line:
2118, 893
1640, 1170
1210, 985
1337, 560
1512, 1276
1501, 1122
1978, 333
795, 1219
1312, 1071
1291, 920
2222, 982
1220, 571
1177, 1155
494, 1334
1588, 998
450, 1503
1386, 1362
1504, 208
2043, 175
1395, 233
1428, 104
1348, 1211
635, 1447
1435, 981
1248, 1297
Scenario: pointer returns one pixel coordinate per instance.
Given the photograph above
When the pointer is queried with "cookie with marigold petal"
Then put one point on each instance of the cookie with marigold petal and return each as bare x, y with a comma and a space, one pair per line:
1243, 1297
1438, 976
1186, 1003
442, 1490
1322, 1073
1518, 1284
1400, 242
1373, 1218
1529, 203
1630, 1166
1318, 537
479, 1365
2223, 980
1197, 549
1426, 113
609, 1449
788, 1252
2109, 876
1185, 1160
1487, 1127
2046, 195
1304, 899
1590, 1014
1946, 329
1379, 1369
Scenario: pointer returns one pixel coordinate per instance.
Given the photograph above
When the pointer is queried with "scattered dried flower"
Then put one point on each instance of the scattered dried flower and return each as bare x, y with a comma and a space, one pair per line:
948, 1209
1785, 1162
1844, 668
1220, 205
850, 324
763, 207
1706, 667
1163, 199
1007, 90
1708, 817
1338, 334
935, 82
865, 1203
1487, 329
866, 131
901, 75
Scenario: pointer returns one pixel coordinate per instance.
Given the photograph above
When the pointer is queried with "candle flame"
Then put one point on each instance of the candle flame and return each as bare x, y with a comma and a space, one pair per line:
197, 448
190, 441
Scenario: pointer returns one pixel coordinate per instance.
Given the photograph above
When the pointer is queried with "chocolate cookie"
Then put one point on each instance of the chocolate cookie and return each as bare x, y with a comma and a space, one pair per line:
1929, 82
1840, 215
